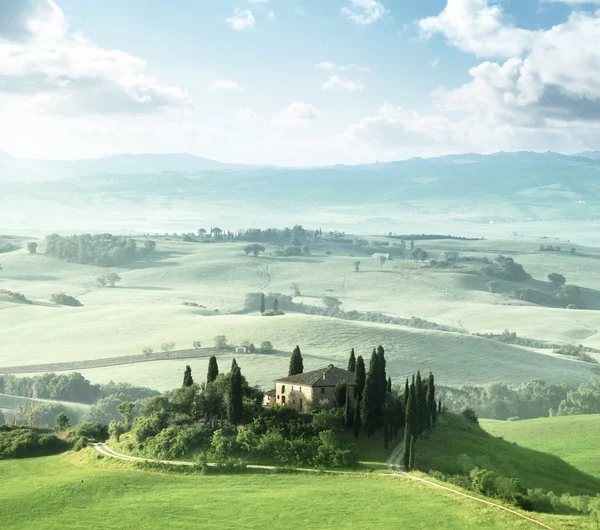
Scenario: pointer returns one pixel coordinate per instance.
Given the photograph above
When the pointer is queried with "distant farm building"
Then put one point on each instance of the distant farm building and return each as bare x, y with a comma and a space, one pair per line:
241, 349
379, 255
449, 255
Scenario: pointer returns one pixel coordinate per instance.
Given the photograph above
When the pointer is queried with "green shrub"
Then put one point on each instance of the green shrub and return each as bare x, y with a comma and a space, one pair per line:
25, 442
65, 299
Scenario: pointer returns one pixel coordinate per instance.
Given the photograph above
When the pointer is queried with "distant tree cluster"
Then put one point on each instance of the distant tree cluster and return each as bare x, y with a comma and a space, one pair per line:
104, 250
108, 280
506, 268
15, 296
65, 299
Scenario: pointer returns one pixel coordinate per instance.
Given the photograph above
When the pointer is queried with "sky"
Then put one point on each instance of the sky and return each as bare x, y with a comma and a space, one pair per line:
298, 82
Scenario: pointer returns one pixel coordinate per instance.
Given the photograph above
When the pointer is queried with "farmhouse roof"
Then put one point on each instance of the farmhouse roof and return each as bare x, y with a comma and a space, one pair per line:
328, 376
270, 393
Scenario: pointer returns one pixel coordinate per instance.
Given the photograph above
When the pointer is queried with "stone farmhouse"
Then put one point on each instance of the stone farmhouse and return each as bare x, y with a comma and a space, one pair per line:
308, 389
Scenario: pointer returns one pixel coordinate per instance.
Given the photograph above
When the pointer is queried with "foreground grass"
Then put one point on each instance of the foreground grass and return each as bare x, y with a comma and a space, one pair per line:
82, 491
572, 438
456, 446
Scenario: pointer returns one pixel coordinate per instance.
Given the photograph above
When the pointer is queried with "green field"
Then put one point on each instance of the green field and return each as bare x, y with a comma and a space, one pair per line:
79, 491
574, 439
145, 310
456, 446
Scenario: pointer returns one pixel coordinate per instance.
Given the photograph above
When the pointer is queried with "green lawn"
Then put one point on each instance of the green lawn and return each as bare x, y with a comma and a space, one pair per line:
456, 446
80, 491
572, 438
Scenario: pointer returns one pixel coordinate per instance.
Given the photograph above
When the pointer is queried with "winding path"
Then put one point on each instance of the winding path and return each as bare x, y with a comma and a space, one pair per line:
393, 465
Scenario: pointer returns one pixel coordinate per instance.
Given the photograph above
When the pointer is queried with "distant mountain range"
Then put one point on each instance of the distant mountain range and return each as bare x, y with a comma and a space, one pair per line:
528, 178
13, 169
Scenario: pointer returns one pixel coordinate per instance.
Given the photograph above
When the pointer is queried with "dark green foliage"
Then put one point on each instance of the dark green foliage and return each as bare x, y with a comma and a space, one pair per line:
405, 395
32, 247
357, 422
235, 396
370, 414
296, 362
339, 394
262, 303
421, 400
359, 378
15, 296
127, 410
411, 454
348, 414
188, 380
104, 250
470, 414
65, 299
91, 430
352, 362
61, 422
389, 385
234, 365
26, 442
439, 410
213, 369
60, 387
431, 405
254, 249
557, 279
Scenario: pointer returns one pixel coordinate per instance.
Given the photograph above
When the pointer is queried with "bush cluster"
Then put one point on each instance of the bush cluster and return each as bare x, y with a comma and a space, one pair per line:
25, 442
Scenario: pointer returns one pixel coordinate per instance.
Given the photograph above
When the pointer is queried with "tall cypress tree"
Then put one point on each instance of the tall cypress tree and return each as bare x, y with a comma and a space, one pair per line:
187, 376
370, 414
406, 394
234, 397
414, 418
411, 454
262, 303
440, 406
213, 369
296, 362
410, 423
389, 385
357, 422
352, 362
431, 399
234, 365
348, 416
359, 378
421, 404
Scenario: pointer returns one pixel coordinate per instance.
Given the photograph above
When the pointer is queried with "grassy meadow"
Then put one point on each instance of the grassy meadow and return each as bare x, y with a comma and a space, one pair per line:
83, 490
146, 309
574, 439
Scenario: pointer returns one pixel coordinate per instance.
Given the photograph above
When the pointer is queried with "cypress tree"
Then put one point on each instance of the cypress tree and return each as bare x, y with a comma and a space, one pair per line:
414, 415
359, 378
234, 365
411, 454
389, 385
369, 414
421, 404
440, 406
386, 433
275, 305
213, 369
234, 397
352, 362
262, 303
348, 416
406, 394
431, 405
187, 376
409, 425
357, 422
296, 363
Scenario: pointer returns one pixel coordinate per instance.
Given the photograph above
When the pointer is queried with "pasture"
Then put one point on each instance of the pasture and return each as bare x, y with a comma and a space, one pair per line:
145, 309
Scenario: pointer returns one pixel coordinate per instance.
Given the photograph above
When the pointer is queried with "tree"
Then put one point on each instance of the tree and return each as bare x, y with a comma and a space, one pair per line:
421, 404
370, 412
348, 417
411, 454
213, 369
357, 266
406, 394
126, 409
167, 346
339, 394
262, 303
359, 378
112, 279
188, 380
389, 385
418, 254
382, 259
148, 350
197, 344
357, 422
352, 362
266, 346
296, 362
276, 305
573, 251
294, 287
32, 247
470, 415
557, 279
254, 249
201, 232
235, 396
61, 422
116, 429
431, 404
221, 342
65, 299
149, 245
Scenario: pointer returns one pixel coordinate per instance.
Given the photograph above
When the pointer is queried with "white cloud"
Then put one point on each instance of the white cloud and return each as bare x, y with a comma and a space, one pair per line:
68, 72
364, 12
296, 114
241, 19
271, 14
329, 66
435, 62
477, 27
337, 83
246, 115
225, 84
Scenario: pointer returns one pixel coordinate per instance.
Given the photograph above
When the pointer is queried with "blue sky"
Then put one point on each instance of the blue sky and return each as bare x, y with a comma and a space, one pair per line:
298, 82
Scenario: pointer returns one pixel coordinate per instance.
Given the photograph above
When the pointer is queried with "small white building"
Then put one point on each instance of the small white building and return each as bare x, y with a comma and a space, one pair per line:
241, 349
448, 255
379, 255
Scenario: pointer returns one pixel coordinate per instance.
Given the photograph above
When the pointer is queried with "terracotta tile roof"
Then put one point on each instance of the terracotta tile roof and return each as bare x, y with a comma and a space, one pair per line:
328, 376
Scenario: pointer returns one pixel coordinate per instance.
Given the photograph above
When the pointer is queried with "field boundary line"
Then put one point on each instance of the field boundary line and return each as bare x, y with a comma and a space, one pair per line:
393, 465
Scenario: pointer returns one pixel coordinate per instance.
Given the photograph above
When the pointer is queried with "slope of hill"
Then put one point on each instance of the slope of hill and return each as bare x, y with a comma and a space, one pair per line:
571, 438
46, 493
457, 445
